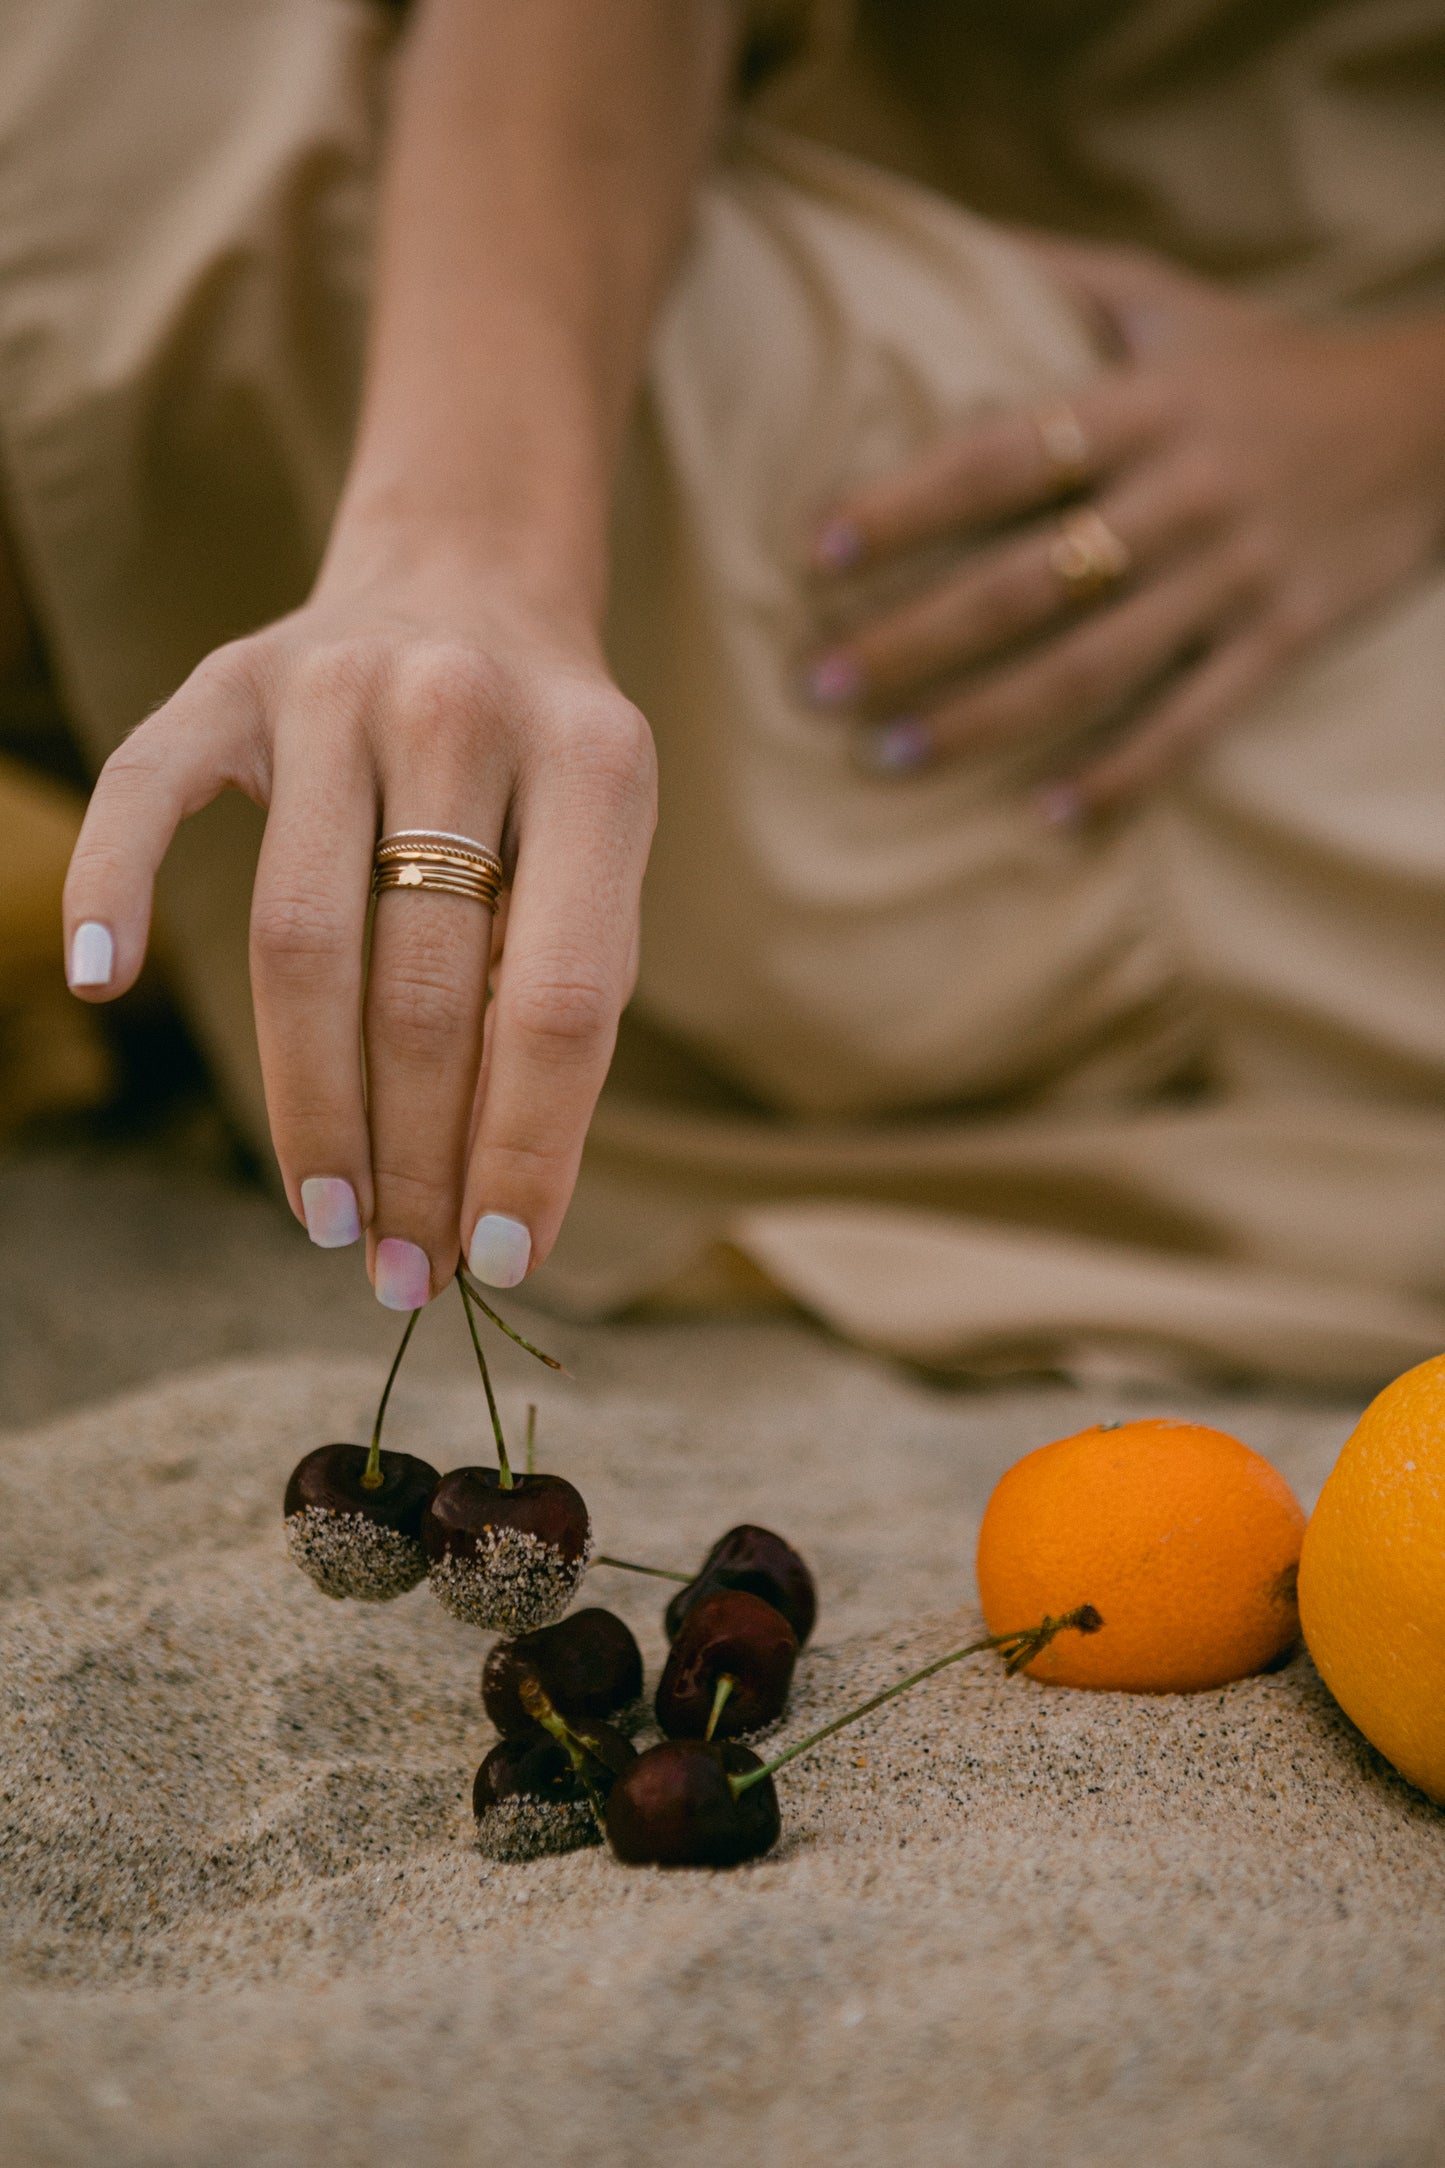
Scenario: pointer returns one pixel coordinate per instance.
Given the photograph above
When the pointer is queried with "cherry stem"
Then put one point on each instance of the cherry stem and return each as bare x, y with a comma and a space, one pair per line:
371, 1476
630, 1565
540, 1709
531, 1437
725, 1686
466, 1280
502, 1461
1016, 1649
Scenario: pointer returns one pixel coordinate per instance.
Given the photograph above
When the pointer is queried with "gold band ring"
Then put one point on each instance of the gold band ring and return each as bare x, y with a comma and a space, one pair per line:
1064, 442
435, 859
1088, 556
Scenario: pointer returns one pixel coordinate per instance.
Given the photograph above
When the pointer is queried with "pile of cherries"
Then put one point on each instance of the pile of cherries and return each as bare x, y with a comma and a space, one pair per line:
508, 1552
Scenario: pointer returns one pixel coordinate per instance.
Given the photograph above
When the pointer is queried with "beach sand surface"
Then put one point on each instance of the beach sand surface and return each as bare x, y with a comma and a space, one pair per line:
244, 1921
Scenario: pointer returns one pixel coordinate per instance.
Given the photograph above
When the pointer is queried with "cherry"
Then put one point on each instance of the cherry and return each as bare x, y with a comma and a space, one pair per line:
353, 1513
588, 1665
544, 1794
689, 1803
506, 1551
506, 1555
756, 1560
729, 1669
676, 1807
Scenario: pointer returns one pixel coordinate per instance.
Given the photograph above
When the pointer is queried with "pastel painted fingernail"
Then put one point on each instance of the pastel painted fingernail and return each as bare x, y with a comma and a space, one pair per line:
332, 1220
92, 954
500, 1250
1059, 806
898, 747
403, 1276
837, 545
832, 679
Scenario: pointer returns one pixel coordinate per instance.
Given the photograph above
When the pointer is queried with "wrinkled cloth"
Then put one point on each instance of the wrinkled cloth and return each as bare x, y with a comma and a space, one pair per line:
1165, 1095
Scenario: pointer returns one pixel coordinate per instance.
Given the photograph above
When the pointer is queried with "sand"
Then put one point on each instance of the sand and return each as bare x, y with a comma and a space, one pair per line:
243, 1920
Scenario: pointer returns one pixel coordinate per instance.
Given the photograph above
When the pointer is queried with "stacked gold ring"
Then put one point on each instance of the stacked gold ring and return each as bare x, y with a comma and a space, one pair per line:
435, 859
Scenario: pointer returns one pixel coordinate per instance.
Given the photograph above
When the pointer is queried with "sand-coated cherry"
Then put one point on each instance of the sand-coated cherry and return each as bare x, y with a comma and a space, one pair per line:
729, 1669
506, 1555
542, 1794
353, 1513
505, 1551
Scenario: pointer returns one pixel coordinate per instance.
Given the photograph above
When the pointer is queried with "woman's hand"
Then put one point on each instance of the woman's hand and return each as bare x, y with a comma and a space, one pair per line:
447, 671
433, 696
1265, 479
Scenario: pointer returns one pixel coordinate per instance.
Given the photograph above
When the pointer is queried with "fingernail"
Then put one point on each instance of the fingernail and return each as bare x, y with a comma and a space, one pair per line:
403, 1276
898, 747
837, 545
329, 1203
92, 954
1059, 806
833, 679
500, 1250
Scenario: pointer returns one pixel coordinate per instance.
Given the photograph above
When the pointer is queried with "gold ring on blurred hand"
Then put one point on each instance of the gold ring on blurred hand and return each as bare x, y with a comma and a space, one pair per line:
1088, 556
1065, 444
435, 859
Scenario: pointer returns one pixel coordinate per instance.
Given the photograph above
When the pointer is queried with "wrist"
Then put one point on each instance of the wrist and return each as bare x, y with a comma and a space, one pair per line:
449, 558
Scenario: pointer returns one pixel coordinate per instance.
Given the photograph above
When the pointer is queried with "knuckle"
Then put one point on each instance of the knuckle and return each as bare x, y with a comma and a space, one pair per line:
296, 934
229, 671
446, 686
337, 675
564, 1006
419, 1017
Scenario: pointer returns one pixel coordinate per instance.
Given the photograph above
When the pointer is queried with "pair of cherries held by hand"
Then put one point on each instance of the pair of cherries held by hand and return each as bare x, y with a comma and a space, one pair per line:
500, 1550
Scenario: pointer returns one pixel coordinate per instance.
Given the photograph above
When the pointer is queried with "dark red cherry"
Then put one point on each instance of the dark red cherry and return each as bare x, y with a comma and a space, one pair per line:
728, 1635
675, 1807
587, 1665
510, 1559
762, 1564
353, 1541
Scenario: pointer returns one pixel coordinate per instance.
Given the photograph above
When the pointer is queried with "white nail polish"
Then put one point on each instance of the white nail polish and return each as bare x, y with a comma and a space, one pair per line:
332, 1220
92, 954
500, 1250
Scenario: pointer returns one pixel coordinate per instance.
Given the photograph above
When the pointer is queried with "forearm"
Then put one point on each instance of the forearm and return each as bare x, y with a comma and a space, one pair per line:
541, 164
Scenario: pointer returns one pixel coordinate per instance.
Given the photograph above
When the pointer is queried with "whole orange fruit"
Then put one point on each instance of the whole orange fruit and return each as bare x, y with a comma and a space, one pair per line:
1182, 1539
1372, 1576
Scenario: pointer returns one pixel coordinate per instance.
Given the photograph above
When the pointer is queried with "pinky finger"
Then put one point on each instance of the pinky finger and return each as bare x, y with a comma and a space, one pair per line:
1204, 704
175, 763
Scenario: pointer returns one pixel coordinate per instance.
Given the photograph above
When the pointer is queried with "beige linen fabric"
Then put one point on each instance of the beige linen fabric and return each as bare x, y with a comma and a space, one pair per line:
1167, 1094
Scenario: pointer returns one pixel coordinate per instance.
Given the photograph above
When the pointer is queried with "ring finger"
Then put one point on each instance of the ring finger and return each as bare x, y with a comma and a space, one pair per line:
425, 1010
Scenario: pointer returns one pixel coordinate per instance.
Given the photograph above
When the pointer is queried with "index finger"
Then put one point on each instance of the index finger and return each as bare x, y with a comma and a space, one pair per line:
566, 976
999, 468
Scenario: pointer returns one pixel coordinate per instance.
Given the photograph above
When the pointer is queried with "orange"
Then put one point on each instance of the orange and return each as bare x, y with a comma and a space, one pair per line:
1182, 1539
1372, 1577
